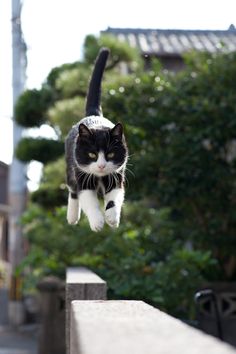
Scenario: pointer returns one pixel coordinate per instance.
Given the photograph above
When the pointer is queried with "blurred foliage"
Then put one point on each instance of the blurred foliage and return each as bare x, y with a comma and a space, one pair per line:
52, 191
65, 113
67, 81
54, 173
31, 107
139, 260
49, 198
181, 132
119, 51
39, 149
55, 73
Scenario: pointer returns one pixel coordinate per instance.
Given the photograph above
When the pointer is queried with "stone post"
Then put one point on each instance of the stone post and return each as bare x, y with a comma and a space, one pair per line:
52, 328
82, 284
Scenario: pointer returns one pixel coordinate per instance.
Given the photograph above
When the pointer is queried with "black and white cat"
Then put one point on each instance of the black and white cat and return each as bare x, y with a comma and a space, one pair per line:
96, 157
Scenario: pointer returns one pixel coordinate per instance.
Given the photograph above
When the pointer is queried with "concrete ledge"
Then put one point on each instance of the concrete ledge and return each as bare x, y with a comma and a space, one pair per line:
126, 327
81, 284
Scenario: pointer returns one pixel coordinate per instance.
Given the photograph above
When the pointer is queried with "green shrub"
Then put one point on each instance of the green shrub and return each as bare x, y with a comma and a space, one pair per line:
144, 259
39, 149
31, 107
181, 135
49, 198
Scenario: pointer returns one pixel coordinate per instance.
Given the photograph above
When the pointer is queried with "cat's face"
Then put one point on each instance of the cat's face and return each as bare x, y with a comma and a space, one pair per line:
102, 151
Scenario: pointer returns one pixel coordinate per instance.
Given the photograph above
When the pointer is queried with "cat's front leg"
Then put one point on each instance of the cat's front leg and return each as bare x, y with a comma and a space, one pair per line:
73, 209
89, 204
113, 203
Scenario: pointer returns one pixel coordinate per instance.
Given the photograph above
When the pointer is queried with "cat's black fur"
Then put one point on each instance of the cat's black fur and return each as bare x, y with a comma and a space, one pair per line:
95, 135
93, 103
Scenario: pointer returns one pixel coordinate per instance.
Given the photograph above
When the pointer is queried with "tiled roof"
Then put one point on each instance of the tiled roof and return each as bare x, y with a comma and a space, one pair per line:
175, 42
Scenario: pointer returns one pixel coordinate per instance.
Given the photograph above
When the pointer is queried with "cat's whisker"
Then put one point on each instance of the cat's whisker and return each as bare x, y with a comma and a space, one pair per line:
94, 182
88, 180
116, 179
109, 182
80, 174
123, 176
131, 172
91, 179
82, 187
85, 181
126, 180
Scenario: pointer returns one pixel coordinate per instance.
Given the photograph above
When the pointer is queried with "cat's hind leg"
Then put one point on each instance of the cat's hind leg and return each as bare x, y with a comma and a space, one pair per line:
73, 208
113, 203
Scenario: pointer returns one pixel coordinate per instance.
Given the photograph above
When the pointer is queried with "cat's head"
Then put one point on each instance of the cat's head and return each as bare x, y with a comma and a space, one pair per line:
101, 151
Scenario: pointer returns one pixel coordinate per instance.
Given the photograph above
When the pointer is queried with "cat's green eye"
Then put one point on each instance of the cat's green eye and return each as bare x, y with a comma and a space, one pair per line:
110, 155
92, 155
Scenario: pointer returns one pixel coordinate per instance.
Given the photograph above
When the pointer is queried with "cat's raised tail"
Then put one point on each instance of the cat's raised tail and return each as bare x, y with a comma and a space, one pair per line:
93, 102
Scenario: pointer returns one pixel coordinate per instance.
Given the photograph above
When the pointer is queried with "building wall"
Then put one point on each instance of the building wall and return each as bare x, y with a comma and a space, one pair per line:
3, 183
172, 63
4, 169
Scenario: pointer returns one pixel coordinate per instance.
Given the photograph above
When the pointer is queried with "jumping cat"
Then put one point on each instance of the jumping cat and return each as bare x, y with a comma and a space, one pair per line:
96, 156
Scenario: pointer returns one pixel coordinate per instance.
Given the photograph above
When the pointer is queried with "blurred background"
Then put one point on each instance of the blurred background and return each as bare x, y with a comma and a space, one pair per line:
170, 80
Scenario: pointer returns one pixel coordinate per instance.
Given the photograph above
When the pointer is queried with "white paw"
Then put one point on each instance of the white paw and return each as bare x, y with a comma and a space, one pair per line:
112, 217
72, 217
73, 211
96, 221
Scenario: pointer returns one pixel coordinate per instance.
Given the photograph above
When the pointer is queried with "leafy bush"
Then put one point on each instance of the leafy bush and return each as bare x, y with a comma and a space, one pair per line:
181, 132
52, 191
49, 198
39, 149
140, 260
119, 51
181, 135
55, 73
31, 107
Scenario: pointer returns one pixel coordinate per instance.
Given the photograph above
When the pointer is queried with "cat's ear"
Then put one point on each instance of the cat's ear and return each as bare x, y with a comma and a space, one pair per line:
84, 131
117, 131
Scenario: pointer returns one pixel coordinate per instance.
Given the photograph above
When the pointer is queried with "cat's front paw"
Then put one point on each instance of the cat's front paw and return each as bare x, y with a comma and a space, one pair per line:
96, 222
72, 217
73, 211
112, 217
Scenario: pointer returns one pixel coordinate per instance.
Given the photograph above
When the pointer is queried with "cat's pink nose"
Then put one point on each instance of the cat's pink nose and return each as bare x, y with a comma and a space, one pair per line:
101, 166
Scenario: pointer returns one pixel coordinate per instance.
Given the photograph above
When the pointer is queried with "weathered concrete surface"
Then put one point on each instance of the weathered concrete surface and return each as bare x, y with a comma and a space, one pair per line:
82, 284
126, 327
